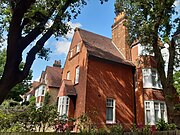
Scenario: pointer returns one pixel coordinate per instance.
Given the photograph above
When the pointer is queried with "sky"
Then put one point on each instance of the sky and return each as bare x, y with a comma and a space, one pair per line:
94, 17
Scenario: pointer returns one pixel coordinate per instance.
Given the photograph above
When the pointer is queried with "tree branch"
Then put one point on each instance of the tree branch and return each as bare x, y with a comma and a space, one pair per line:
15, 24
40, 43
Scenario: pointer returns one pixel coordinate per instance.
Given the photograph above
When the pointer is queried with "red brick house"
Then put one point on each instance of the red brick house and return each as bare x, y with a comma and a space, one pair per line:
49, 81
97, 78
99, 75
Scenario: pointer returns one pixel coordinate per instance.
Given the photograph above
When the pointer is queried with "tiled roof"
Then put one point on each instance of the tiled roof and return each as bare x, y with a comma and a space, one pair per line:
67, 89
102, 47
32, 89
53, 76
35, 84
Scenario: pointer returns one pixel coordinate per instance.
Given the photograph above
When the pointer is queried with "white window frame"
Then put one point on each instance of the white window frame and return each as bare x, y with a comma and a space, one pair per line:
71, 54
77, 72
68, 75
63, 105
152, 111
148, 83
113, 107
78, 48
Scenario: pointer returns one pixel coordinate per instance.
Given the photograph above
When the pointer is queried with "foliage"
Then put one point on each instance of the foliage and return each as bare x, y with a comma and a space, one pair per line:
85, 124
27, 26
116, 129
20, 88
102, 131
146, 128
177, 81
46, 98
27, 118
162, 125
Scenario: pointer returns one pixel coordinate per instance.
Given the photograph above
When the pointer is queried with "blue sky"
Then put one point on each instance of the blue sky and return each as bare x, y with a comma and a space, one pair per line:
94, 17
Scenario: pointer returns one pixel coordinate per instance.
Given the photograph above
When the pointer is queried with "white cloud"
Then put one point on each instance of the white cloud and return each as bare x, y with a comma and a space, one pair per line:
73, 26
177, 3
62, 47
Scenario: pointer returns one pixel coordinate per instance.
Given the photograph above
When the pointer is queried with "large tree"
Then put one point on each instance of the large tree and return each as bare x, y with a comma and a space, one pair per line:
148, 21
29, 24
20, 88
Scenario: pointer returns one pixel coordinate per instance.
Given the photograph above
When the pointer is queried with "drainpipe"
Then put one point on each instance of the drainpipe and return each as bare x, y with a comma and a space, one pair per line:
134, 88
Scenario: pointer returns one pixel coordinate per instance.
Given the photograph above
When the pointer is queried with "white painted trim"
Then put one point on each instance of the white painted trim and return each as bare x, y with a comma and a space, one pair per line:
118, 50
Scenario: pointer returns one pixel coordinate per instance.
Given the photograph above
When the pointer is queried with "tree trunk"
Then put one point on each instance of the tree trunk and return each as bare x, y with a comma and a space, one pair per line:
172, 98
6, 84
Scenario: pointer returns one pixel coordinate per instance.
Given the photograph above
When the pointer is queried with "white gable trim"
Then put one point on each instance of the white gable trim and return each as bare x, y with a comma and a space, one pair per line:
118, 50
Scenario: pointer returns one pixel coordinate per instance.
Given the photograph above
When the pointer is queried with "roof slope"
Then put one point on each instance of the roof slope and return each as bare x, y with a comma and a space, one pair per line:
102, 47
67, 89
54, 76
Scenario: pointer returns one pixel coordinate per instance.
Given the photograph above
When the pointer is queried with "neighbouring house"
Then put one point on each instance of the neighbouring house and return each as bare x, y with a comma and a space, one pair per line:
30, 93
49, 82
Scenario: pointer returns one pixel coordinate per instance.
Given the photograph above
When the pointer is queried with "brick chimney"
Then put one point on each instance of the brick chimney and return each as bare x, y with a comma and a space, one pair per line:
119, 36
57, 63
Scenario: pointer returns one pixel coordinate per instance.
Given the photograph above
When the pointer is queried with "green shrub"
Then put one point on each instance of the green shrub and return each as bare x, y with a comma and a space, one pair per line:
102, 131
162, 125
134, 128
147, 128
116, 129
172, 126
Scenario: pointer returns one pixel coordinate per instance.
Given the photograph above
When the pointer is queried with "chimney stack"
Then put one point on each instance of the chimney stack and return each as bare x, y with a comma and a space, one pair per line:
119, 35
57, 63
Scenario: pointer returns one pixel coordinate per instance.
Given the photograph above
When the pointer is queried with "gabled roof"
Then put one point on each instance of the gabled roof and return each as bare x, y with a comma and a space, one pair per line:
67, 89
32, 89
101, 47
53, 76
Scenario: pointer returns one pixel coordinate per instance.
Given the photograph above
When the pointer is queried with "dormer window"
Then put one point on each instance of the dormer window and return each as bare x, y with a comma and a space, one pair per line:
78, 48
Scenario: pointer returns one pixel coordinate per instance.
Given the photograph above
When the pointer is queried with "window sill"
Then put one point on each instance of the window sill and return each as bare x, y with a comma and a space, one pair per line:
73, 56
110, 122
150, 87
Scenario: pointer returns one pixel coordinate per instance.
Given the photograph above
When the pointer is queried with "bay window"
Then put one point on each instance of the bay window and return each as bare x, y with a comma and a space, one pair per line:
151, 78
154, 111
63, 105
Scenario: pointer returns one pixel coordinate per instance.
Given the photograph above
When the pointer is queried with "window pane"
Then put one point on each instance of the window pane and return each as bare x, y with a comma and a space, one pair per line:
146, 77
109, 114
77, 48
156, 111
147, 105
77, 75
109, 103
154, 80
68, 75
148, 116
156, 115
71, 53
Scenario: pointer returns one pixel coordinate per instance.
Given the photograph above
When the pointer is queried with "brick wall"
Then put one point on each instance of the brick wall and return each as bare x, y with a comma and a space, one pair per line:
110, 80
